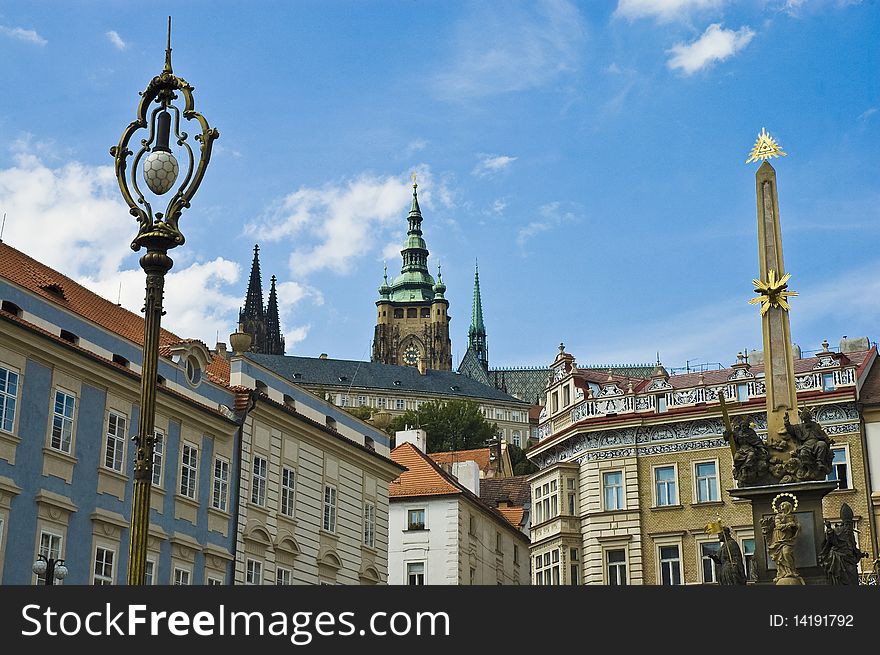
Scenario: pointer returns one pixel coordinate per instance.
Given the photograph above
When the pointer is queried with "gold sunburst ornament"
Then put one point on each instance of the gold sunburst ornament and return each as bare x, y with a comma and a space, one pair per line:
773, 292
765, 147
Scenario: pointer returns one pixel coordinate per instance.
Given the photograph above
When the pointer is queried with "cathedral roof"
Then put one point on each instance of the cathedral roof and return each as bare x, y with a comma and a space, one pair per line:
414, 284
315, 371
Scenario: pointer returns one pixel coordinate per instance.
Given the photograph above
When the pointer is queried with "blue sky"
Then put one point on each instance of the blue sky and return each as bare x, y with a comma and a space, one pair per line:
591, 155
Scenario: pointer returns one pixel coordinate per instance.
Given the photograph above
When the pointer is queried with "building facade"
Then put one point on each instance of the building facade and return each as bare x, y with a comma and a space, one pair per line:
441, 533
265, 485
396, 389
633, 470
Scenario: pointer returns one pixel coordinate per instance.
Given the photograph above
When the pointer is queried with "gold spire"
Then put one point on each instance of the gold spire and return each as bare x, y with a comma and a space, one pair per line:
765, 148
415, 185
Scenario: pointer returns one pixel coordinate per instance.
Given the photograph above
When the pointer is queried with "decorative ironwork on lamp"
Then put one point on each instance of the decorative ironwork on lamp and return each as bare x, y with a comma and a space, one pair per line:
158, 232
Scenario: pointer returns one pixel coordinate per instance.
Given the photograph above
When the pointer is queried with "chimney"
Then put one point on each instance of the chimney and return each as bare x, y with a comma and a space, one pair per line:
220, 349
423, 366
418, 438
468, 474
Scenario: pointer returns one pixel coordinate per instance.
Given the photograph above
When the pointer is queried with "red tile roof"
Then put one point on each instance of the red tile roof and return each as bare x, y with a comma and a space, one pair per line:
422, 478
514, 515
38, 278
482, 456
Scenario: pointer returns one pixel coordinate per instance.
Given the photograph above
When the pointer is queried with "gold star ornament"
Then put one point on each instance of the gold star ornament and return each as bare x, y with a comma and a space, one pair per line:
773, 292
765, 148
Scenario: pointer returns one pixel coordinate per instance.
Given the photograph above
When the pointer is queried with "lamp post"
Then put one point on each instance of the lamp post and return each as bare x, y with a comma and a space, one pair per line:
158, 233
51, 568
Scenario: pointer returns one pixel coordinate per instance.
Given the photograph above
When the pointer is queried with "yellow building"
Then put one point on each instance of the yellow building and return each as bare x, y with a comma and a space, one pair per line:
632, 470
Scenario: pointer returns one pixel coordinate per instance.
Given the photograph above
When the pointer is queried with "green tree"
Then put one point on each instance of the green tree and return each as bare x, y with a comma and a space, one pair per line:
450, 425
521, 464
362, 412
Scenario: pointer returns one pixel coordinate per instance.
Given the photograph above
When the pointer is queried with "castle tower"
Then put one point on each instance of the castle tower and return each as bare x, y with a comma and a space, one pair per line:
274, 338
412, 320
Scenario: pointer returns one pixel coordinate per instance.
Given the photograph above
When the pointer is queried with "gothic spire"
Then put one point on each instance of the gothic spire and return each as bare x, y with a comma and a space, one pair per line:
274, 338
477, 330
253, 304
477, 326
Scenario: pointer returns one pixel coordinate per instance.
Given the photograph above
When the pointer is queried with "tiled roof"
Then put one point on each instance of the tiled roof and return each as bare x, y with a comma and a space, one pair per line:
422, 477
870, 391
482, 456
514, 515
38, 278
514, 490
345, 374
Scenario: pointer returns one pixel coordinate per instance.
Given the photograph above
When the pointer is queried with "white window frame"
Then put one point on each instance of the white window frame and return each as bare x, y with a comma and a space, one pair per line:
259, 480
400, 404
189, 471
283, 576
114, 444
150, 569
49, 552
673, 501
847, 462
330, 507
423, 573
220, 485
253, 572
717, 486
287, 500
606, 564
410, 525
369, 524
516, 436
182, 576
65, 421
667, 543
104, 579
214, 581
748, 557
621, 504
702, 559
158, 458
8, 401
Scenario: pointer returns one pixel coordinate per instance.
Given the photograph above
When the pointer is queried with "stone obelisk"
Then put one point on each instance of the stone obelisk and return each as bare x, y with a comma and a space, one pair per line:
772, 287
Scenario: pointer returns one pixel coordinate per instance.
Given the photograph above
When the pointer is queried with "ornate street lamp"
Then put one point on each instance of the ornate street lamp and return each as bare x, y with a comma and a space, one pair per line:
53, 569
158, 233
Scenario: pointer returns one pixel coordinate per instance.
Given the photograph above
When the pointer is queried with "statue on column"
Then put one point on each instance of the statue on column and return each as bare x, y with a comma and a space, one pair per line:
751, 459
780, 534
729, 560
811, 456
840, 555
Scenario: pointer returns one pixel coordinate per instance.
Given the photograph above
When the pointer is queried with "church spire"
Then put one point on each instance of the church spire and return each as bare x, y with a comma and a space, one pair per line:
477, 330
253, 304
274, 338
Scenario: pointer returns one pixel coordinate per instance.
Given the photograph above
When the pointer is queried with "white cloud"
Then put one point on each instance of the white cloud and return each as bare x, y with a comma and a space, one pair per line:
415, 146
29, 36
867, 113
331, 226
71, 218
498, 206
116, 40
663, 10
551, 216
512, 50
715, 44
295, 336
492, 164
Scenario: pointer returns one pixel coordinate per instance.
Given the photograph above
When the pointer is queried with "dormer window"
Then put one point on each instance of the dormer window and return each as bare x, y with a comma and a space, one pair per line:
119, 359
69, 336
11, 308
193, 371
54, 289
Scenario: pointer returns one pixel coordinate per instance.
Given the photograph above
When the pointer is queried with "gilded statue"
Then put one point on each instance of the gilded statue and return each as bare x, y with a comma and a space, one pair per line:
780, 534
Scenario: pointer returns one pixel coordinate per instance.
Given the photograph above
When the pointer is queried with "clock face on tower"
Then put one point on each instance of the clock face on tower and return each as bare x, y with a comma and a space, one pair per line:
411, 355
